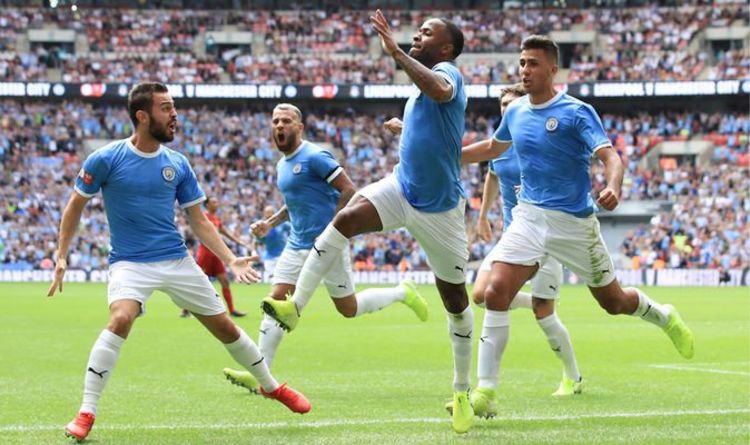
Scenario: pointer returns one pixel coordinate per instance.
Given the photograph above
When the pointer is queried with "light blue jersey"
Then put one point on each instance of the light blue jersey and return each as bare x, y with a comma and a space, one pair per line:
139, 191
304, 179
554, 142
275, 240
430, 147
508, 171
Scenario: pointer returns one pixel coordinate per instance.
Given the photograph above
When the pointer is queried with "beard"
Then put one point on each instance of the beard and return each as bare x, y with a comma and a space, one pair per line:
424, 58
288, 145
160, 132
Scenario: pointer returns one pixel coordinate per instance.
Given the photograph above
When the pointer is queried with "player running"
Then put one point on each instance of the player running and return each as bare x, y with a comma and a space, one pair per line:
148, 252
504, 175
424, 194
211, 264
554, 136
314, 187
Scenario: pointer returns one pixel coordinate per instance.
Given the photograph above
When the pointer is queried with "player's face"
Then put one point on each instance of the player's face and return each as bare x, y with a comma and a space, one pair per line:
506, 100
267, 212
287, 130
429, 43
537, 70
163, 118
212, 205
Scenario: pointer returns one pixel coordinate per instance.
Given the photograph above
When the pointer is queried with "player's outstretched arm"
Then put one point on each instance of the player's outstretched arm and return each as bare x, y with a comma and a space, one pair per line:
209, 236
609, 197
489, 195
483, 151
71, 217
431, 84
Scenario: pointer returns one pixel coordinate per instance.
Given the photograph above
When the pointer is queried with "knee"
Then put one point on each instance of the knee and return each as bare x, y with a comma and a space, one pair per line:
347, 307
347, 311
542, 308
477, 295
120, 323
497, 295
344, 222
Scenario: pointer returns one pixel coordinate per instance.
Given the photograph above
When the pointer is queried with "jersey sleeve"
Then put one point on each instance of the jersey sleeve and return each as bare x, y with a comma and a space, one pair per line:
502, 134
492, 167
189, 192
590, 129
93, 174
451, 74
325, 166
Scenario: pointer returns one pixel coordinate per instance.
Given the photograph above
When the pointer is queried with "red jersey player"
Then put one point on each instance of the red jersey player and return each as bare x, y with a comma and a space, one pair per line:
211, 264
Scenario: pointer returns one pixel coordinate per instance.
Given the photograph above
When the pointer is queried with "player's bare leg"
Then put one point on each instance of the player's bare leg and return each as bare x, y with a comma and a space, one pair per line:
521, 300
631, 301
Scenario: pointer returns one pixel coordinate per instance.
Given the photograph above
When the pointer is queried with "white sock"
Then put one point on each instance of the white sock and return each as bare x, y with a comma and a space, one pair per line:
559, 340
521, 300
269, 337
101, 363
460, 327
650, 310
325, 251
247, 354
376, 298
495, 331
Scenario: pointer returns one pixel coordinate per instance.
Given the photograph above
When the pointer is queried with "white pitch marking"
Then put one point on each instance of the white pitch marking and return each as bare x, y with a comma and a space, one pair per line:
696, 369
356, 422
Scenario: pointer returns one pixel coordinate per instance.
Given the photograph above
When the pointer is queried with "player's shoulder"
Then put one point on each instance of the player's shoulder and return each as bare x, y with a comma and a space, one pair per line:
312, 150
174, 155
574, 102
449, 68
109, 151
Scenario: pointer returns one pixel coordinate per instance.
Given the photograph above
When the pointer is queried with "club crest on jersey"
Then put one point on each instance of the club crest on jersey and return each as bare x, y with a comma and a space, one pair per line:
297, 168
168, 174
551, 124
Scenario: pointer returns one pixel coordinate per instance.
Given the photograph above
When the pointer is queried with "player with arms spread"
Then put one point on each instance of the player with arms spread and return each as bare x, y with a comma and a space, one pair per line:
140, 180
554, 136
424, 194
314, 187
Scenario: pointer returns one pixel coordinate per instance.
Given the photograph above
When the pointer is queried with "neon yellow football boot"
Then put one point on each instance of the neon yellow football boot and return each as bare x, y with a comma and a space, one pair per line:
679, 333
414, 300
283, 311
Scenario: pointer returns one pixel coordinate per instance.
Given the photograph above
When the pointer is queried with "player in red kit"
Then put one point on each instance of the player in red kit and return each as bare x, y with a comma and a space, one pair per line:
211, 264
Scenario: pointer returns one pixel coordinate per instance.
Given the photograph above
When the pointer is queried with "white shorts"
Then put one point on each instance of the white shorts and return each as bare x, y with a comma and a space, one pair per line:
339, 280
441, 235
269, 266
545, 284
182, 279
536, 234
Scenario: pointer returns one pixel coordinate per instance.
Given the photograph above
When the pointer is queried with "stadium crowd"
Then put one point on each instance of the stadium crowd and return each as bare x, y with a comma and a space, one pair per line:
232, 154
647, 43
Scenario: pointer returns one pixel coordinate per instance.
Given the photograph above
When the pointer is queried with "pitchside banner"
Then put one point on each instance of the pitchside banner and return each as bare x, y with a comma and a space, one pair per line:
647, 277
364, 92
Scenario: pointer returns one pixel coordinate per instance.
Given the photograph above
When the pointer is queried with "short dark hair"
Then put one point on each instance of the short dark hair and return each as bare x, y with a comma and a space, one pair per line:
544, 43
141, 98
457, 37
516, 89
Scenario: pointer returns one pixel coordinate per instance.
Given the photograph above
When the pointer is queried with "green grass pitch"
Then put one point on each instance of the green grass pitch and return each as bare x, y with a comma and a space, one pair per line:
379, 379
